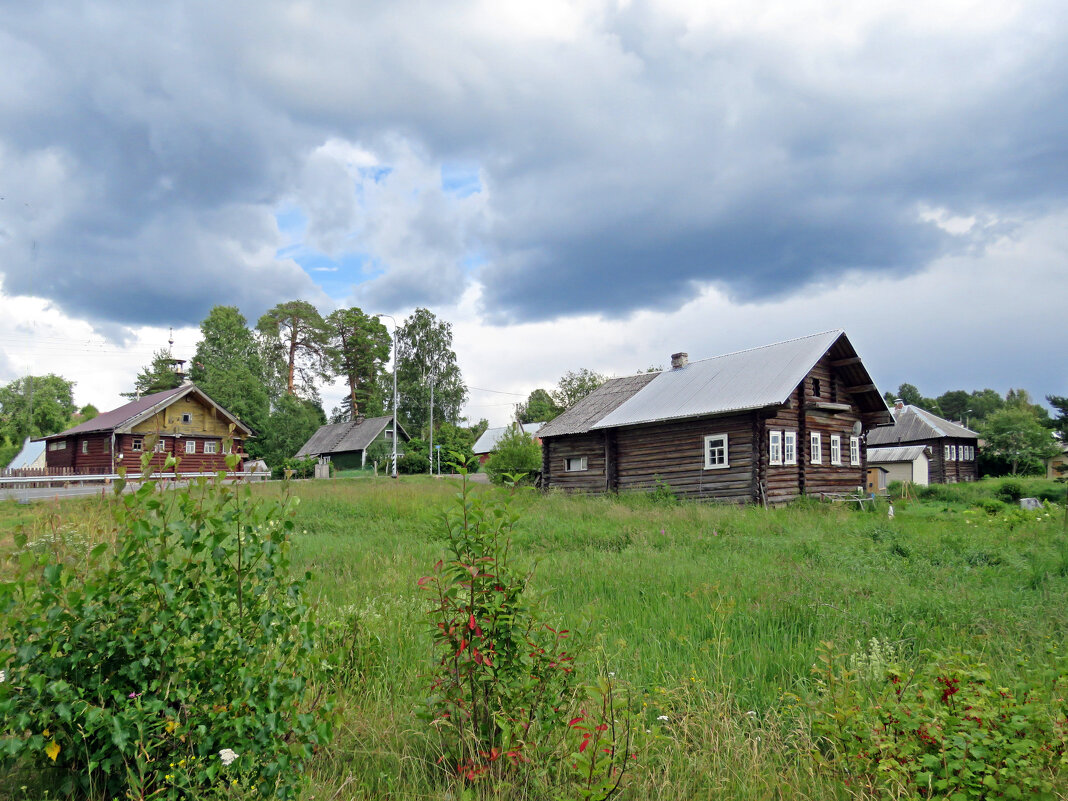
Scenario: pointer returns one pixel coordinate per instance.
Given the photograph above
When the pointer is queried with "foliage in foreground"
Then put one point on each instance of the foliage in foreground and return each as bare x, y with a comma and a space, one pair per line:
516, 452
941, 729
173, 664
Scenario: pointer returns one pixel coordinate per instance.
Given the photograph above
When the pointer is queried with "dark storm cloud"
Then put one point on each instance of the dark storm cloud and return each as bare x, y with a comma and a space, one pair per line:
627, 156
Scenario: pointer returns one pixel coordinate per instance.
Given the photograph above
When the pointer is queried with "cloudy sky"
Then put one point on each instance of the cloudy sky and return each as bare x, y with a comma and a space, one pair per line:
594, 183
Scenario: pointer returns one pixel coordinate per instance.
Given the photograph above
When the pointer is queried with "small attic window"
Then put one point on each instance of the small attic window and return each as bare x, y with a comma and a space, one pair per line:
187, 417
815, 387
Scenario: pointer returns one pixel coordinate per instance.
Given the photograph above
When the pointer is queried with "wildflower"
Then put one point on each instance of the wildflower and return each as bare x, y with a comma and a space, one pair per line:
751, 713
662, 717
3, 676
611, 674
228, 755
134, 695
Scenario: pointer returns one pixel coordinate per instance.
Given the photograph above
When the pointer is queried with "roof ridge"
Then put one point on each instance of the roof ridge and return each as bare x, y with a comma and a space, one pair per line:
764, 347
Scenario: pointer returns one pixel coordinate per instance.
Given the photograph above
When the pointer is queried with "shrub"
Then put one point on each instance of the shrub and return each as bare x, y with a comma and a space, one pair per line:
503, 678
1010, 491
940, 730
174, 663
991, 506
516, 452
416, 458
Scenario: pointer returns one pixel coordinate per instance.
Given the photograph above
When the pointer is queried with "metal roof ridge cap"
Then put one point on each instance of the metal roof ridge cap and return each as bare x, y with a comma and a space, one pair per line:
757, 347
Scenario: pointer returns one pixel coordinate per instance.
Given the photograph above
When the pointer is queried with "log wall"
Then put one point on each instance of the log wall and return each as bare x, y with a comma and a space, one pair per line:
556, 449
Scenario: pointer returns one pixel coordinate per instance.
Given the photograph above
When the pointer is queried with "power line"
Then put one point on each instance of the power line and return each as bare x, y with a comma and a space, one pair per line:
498, 392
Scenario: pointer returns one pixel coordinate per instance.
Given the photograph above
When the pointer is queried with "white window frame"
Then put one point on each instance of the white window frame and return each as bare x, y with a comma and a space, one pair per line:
945, 454
85, 446
190, 446
789, 447
58, 445
854, 450
952, 453
576, 464
774, 447
161, 446
187, 417
211, 446
836, 449
709, 440
815, 448
137, 444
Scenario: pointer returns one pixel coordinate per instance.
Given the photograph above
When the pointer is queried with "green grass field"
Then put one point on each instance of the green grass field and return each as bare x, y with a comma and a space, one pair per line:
711, 616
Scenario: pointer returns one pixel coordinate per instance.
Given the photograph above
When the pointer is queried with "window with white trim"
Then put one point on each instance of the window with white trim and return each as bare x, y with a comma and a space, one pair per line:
161, 446
211, 447
85, 446
854, 450
716, 452
190, 446
952, 453
575, 464
836, 449
774, 447
187, 417
789, 447
137, 444
58, 445
815, 444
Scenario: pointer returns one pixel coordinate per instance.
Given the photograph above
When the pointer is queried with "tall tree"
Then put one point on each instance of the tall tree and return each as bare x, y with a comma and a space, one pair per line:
1015, 435
229, 368
539, 408
1060, 422
158, 376
51, 399
291, 424
574, 386
425, 354
912, 397
357, 349
297, 336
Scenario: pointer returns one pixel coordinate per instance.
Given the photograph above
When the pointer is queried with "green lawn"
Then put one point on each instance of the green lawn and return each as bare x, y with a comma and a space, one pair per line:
709, 615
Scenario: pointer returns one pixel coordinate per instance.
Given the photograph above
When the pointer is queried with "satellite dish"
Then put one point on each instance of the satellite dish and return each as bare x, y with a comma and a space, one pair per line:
857, 428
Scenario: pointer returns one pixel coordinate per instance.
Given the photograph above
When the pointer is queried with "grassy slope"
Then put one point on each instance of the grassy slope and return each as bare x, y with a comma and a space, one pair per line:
707, 612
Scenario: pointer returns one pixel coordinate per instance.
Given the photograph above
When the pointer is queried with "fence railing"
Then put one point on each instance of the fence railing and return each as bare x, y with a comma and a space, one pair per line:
10, 479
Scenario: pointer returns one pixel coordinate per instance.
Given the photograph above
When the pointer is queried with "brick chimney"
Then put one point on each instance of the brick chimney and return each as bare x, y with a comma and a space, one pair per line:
679, 360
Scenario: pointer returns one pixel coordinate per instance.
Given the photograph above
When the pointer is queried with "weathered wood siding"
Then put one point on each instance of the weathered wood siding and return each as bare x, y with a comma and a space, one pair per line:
674, 453
92, 453
556, 449
204, 420
60, 459
199, 462
943, 471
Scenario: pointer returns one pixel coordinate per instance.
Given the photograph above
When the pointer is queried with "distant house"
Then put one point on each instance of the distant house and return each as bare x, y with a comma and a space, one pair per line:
953, 449
346, 444
1057, 467
763, 425
31, 457
487, 443
182, 422
907, 463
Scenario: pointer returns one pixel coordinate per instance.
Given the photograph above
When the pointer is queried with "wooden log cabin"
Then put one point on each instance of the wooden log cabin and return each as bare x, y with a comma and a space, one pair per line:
765, 425
182, 422
953, 449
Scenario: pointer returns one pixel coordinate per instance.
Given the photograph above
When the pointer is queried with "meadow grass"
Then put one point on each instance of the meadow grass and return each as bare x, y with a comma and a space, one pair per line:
708, 615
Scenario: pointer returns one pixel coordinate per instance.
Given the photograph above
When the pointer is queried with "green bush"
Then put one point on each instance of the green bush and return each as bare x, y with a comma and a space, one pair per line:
1010, 491
171, 664
941, 729
991, 506
516, 452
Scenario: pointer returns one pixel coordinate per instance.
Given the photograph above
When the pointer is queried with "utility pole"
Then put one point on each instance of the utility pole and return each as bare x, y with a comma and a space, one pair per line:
391, 317
430, 451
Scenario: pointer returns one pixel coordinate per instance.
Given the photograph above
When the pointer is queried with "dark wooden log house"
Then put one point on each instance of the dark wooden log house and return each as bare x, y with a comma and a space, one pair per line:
952, 448
182, 422
765, 425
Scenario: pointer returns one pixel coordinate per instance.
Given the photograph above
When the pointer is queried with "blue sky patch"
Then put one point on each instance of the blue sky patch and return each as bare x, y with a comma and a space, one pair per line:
461, 180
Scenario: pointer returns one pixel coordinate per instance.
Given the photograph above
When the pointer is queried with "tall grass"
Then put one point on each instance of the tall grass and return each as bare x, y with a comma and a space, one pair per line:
708, 615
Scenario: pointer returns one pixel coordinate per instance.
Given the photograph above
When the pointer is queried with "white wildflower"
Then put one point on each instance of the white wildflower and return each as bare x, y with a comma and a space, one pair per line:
751, 713
228, 755
661, 717
3, 676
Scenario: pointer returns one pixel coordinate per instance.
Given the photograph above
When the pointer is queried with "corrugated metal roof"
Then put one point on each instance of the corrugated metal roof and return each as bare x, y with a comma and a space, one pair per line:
581, 417
748, 379
912, 424
905, 453
31, 452
344, 437
108, 421
487, 443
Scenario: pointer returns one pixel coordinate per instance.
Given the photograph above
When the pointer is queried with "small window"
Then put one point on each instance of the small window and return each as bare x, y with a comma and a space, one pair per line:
952, 453
228, 448
716, 452
774, 447
854, 450
815, 387
136, 444
187, 417
789, 447
836, 449
388, 433
161, 446
85, 446
575, 464
190, 446
816, 448
211, 447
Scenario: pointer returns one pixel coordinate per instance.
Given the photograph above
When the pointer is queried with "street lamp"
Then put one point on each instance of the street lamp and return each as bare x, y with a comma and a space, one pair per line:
391, 317
966, 413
